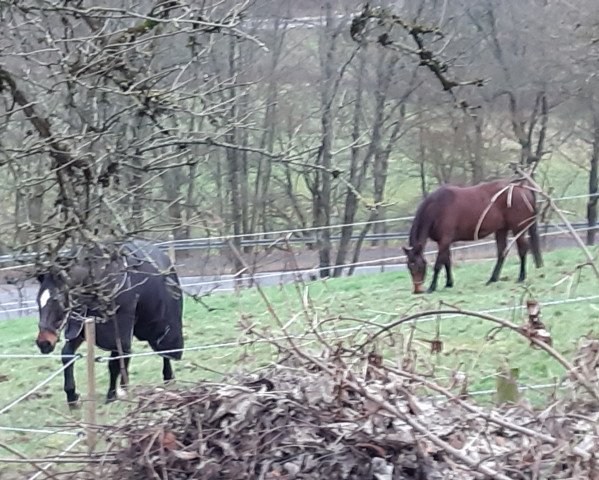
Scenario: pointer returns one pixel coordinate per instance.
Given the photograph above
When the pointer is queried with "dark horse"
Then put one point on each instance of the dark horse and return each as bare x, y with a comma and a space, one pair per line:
451, 214
131, 289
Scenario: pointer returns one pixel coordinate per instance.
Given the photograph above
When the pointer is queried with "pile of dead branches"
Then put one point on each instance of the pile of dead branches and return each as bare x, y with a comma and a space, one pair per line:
329, 418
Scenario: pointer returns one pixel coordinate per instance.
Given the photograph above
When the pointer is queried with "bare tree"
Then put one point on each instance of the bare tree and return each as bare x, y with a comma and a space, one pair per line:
109, 99
320, 180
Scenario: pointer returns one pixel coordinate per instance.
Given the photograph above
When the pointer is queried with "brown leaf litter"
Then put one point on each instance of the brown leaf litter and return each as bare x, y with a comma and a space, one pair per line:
332, 423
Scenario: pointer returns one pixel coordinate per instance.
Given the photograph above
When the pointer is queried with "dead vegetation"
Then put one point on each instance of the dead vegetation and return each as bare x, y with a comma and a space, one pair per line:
348, 414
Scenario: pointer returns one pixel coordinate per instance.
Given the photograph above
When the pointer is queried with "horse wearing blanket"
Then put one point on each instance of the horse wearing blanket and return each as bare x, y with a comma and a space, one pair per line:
131, 289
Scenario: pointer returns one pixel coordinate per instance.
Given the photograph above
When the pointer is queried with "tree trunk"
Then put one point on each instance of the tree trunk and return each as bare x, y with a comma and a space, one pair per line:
321, 193
244, 182
192, 181
217, 158
540, 110
190, 200
478, 174
355, 179
269, 125
135, 186
35, 208
172, 180
233, 163
293, 198
593, 183
379, 172
235, 192
21, 236
422, 163
135, 183
386, 70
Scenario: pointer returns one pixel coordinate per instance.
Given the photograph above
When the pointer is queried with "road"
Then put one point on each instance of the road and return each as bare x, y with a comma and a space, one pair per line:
21, 302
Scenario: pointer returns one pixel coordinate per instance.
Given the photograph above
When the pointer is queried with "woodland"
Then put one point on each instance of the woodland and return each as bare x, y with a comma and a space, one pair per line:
210, 118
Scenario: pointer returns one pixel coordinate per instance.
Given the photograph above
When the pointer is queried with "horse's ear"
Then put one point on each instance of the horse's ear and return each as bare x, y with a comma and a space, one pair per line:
40, 277
407, 249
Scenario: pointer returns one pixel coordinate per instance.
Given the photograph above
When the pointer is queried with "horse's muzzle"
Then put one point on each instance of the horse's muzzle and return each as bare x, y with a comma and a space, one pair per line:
46, 341
418, 288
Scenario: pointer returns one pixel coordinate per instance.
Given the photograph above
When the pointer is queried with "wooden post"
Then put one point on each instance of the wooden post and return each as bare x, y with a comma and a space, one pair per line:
90, 405
171, 249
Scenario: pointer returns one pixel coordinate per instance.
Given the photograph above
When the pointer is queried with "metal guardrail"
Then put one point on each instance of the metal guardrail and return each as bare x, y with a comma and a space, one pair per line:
204, 244
220, 243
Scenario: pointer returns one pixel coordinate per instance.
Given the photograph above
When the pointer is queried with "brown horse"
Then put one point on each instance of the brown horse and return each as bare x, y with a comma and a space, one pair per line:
452, 214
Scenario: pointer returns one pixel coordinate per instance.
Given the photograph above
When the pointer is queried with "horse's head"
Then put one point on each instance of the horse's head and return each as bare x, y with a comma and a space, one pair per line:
53, 304
416, 266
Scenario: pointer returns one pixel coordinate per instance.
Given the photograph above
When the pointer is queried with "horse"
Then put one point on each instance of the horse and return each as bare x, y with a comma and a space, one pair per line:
131, 288
451, 214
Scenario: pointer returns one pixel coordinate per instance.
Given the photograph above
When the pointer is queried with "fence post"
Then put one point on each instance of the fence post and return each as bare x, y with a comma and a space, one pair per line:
171, 249
90, 404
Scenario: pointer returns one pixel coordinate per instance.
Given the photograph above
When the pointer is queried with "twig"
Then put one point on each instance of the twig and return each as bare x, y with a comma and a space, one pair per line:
504, 323
490, 417
24, 459
563, 218
417, 426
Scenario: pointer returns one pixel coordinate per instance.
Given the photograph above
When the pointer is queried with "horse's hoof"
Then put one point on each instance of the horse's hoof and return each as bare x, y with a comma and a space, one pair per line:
449, 285
431, 290
121, 393
491, 281
74, 404
111, 396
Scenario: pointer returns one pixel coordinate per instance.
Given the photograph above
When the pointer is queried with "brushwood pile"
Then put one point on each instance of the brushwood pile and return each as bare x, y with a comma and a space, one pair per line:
340, 423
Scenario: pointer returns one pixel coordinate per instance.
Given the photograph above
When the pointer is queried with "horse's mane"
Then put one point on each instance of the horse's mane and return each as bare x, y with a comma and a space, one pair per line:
421, 223
431, 208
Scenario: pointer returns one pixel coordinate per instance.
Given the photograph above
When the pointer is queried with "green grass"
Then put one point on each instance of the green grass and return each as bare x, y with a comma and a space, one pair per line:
378, 298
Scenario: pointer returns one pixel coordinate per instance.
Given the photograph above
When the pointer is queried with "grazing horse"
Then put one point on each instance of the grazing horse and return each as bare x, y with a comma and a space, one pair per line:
131, 289
451, 214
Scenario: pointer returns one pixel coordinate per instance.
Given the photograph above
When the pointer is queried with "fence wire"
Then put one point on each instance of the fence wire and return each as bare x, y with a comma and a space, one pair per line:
383, 262
61, 454
38, 386
74, 358
272, 233
337, 331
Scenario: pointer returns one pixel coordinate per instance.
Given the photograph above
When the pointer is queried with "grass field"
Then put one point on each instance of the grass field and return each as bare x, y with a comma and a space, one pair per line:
380, 298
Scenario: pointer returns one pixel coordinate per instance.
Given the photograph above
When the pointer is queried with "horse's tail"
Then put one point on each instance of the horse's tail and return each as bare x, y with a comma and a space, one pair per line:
535, 245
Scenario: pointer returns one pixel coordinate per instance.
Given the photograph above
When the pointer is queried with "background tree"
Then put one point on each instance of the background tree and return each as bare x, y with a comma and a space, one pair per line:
235, 118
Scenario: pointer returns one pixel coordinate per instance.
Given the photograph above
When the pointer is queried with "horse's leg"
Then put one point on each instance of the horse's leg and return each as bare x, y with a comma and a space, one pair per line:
167, 370
69, 349
522, 243
442, 259
122, 328
114, 368
449, 282
125, 379
501, 241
